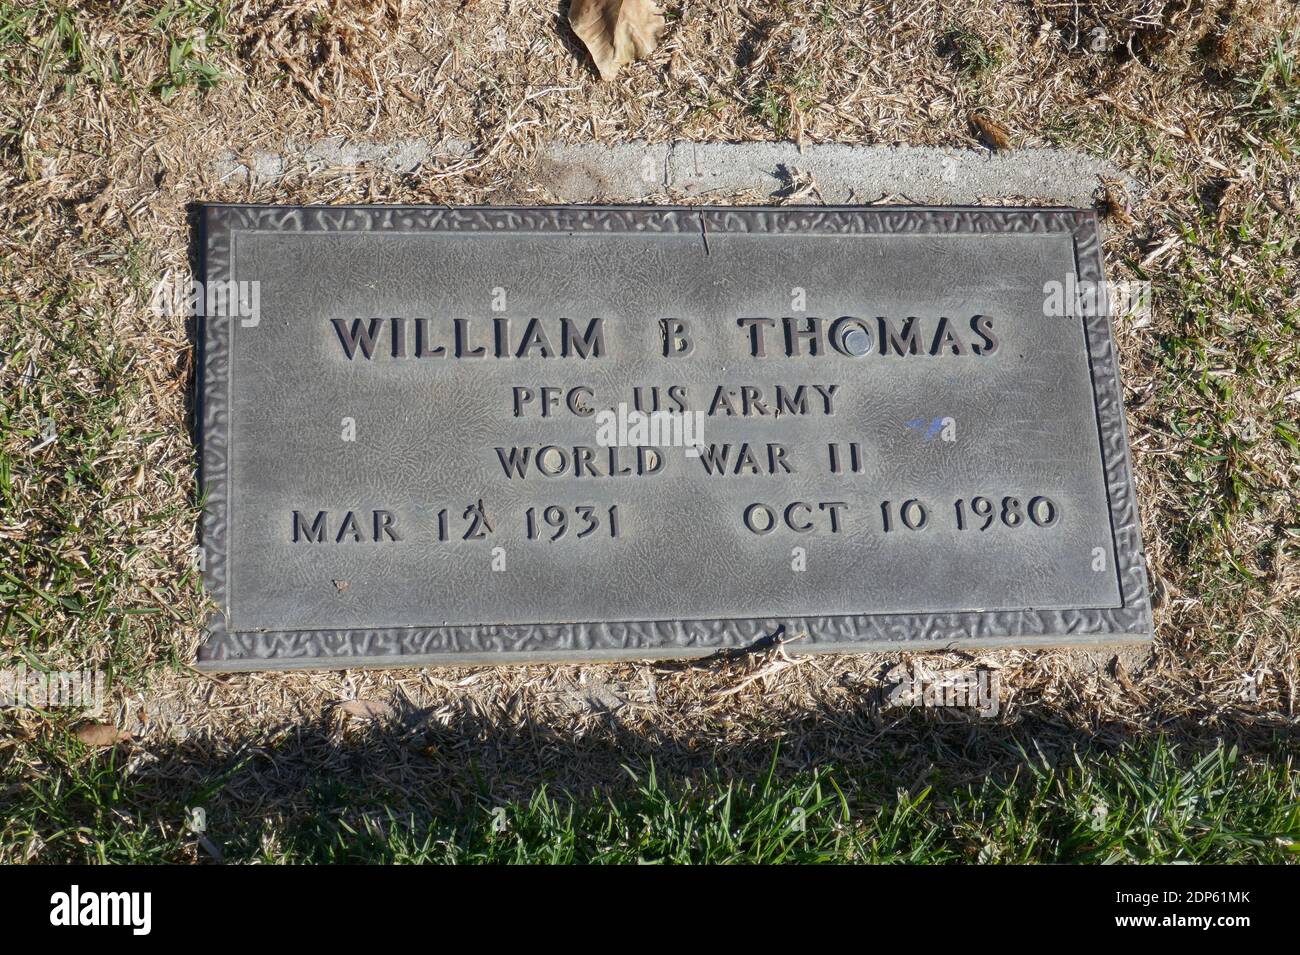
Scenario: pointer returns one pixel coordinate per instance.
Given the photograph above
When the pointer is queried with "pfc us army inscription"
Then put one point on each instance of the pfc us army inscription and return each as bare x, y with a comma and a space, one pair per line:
584, 433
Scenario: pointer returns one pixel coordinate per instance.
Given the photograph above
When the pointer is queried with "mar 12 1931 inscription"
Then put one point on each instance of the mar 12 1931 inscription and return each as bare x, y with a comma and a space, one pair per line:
590, 433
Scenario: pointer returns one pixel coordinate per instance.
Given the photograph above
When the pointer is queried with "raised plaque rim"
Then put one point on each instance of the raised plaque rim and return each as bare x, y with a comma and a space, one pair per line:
226, 650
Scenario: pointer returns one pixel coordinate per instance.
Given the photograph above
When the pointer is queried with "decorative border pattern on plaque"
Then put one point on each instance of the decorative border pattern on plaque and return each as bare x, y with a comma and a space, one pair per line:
224, 649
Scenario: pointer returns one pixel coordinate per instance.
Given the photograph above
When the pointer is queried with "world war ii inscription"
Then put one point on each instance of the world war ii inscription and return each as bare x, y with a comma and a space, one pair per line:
582, 433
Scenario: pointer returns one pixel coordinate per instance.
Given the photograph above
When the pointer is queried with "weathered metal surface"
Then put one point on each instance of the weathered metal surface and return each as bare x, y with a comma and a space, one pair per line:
420, 433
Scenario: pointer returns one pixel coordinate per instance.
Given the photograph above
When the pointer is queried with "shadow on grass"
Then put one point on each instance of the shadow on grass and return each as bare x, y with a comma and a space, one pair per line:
838, 783
478, 757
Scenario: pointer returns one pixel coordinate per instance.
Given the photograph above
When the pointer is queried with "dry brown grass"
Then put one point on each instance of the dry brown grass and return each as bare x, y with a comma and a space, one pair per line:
96, 178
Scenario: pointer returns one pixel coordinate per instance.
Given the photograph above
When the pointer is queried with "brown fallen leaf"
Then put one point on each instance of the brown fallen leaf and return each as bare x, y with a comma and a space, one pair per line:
366, 709
1223, 52
616, 32
994, 134
1121, 676
1114, 202
1226, 198
100, 734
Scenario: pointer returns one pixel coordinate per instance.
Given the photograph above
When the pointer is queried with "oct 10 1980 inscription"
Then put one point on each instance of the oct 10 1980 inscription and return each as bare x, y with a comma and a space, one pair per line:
591, 433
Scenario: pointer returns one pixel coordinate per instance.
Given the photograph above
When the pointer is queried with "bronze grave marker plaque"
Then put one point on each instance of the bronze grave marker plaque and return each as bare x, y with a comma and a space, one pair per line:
590, 433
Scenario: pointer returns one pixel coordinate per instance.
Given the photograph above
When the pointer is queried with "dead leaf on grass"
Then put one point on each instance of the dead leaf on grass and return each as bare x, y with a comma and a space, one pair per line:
1226, 198
1114, 202
366, 709
994, 134
100, 734
616, 32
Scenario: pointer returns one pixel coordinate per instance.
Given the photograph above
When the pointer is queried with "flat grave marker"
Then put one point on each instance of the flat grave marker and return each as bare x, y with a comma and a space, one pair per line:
450, 435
